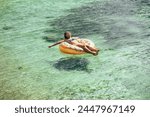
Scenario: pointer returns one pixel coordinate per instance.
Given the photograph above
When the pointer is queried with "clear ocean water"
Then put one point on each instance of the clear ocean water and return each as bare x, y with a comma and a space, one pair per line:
30, 70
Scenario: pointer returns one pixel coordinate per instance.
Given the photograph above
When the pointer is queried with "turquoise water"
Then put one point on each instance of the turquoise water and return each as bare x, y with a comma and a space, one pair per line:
30, 70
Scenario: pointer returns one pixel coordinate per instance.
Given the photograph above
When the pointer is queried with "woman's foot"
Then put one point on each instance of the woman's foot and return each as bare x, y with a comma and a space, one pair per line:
97, 50
95, 53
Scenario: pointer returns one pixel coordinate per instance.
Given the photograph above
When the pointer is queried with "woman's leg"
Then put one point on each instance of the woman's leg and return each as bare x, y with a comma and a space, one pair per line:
92, 48
89, 50
86, 49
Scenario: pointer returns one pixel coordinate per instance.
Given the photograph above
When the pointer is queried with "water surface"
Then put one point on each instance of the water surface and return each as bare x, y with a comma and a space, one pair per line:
29, 70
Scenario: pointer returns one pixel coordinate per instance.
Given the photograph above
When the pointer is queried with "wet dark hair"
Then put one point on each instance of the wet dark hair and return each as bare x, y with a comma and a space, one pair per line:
67, 35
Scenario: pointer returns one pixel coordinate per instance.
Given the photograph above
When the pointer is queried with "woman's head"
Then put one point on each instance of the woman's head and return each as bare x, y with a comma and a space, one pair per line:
67, 35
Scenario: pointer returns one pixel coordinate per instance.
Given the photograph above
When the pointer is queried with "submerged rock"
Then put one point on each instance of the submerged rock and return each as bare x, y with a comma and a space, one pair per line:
7, 27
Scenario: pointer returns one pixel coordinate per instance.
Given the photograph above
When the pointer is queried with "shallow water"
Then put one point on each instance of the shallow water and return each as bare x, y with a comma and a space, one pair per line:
30, 70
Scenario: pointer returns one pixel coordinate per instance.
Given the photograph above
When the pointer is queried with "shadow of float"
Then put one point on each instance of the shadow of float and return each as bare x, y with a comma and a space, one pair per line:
68, 64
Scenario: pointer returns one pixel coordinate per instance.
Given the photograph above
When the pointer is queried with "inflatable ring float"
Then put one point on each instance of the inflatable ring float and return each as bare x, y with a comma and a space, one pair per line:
72, 49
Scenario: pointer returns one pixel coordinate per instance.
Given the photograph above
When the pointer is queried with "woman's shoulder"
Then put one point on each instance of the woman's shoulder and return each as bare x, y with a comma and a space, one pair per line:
75, 37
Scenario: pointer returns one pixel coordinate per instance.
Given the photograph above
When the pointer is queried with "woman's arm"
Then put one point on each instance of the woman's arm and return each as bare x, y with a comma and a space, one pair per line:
56, 43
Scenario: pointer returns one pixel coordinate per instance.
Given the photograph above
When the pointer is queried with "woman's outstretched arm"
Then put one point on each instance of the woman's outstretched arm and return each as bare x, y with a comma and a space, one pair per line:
59, 42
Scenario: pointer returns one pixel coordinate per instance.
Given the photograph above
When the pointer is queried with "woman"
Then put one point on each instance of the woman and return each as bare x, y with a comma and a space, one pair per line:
70, 40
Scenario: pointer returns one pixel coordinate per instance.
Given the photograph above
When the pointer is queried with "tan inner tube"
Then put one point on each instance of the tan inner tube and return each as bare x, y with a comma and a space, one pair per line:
72, 49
